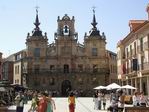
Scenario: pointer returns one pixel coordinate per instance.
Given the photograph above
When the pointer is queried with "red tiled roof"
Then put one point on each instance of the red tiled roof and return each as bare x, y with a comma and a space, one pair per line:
141, 24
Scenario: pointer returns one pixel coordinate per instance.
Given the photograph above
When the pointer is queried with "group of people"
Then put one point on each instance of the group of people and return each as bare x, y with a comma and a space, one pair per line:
139, 99
99, 99
118, 100
41, 102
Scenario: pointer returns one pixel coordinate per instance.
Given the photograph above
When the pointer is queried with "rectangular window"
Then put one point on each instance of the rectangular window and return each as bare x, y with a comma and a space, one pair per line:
66, 68
18, 69
142, 62
135, 52
134, 64
127, 66
141, 44
127, 52
18, 57
124, 55
130, 50
15, 69
37, 52
94, 51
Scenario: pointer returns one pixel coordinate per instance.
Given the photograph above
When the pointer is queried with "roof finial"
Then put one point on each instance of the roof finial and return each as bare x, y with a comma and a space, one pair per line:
93, 9
37, 9
37, 23
94, 23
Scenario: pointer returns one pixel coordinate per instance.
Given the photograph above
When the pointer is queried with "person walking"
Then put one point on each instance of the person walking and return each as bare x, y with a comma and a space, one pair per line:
104, 101
99, 100
50, 104
42, 106
34, 103
71, 101
95, 100
19, 102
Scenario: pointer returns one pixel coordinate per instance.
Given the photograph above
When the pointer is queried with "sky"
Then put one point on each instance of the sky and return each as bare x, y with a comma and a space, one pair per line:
17, 18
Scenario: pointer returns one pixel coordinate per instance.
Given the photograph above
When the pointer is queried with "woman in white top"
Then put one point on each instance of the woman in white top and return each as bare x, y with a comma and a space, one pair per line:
95, 100
136, 99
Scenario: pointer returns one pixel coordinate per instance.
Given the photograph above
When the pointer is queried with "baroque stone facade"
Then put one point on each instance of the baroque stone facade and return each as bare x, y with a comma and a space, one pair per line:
66, 64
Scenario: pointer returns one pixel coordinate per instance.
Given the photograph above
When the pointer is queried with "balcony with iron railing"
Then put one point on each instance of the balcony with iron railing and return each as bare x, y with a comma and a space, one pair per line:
144, 68
68, 71
146, 45
143, 47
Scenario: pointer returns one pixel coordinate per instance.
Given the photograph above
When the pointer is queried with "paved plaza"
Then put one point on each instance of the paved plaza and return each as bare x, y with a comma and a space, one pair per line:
83, 104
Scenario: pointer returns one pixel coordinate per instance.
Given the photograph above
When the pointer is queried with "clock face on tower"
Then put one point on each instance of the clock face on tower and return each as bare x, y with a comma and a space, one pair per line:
66, 30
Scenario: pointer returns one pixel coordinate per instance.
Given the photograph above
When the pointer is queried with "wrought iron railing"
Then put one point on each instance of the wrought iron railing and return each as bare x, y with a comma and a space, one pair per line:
144, 66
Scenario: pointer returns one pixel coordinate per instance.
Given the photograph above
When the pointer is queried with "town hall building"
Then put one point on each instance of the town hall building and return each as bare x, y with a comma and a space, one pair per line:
65, 64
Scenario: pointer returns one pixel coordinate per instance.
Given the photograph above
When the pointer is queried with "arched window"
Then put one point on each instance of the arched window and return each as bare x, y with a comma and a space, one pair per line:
66, 30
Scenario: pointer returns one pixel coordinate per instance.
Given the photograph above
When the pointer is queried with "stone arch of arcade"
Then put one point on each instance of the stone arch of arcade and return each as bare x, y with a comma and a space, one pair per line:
65, 87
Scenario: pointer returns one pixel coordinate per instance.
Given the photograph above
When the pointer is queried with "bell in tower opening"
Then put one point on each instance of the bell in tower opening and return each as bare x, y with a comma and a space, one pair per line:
66, 30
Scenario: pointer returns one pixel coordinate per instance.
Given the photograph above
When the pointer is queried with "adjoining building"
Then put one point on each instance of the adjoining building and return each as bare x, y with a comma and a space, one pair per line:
7, 68
0, 66
65, 64
18, 69
133, 55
